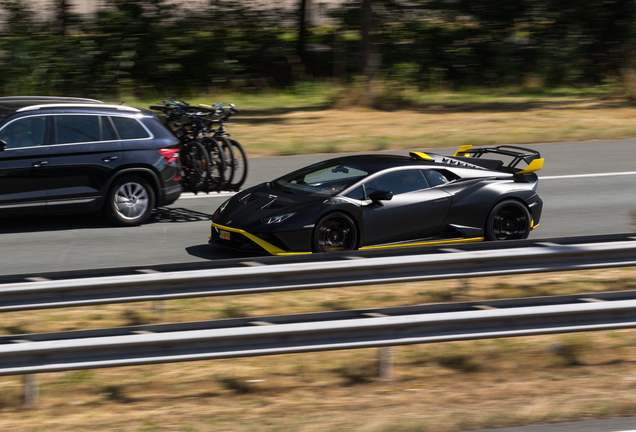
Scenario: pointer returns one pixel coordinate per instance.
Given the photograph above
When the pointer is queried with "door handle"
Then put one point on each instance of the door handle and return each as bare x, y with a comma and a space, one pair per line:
440, 200
38, 164
110, 158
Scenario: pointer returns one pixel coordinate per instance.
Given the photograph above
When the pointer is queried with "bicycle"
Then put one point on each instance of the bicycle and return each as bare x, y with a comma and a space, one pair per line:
238, 169
203, 162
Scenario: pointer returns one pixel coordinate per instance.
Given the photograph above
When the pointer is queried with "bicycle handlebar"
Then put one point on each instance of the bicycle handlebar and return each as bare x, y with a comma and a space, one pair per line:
173, 109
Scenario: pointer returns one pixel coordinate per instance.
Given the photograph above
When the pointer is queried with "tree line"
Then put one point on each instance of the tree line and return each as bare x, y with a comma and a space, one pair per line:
153, 47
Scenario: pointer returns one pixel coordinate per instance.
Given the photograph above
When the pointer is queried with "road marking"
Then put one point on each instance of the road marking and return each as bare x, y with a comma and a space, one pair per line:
252, 263
189, 195
626, 173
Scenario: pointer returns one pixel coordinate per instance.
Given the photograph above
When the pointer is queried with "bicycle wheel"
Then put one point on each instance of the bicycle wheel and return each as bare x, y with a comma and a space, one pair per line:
228, 149
218, 163
240, 166
195, 163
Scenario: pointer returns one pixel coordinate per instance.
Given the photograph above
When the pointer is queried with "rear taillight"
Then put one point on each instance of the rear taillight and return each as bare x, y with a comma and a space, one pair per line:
169, 154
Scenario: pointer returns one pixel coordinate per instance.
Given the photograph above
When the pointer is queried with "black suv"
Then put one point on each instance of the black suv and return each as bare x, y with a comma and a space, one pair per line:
76, 155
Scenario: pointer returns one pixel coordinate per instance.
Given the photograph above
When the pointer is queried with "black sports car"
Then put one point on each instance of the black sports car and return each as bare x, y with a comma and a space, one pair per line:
373, 201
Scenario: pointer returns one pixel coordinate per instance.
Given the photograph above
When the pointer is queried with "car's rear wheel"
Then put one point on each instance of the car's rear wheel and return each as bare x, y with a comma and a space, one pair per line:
335, 232
130, 201
508, 220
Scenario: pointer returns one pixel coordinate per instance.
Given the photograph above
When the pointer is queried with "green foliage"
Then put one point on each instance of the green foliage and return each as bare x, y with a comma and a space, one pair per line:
150, 48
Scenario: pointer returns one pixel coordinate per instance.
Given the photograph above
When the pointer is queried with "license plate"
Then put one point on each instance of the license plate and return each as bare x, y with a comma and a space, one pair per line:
225, 235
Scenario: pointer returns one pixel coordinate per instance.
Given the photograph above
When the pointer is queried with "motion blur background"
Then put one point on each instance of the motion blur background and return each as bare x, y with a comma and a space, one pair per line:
145, 48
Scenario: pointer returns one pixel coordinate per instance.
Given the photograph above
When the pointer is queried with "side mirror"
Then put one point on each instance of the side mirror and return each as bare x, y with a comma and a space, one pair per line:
3, 145
380, 195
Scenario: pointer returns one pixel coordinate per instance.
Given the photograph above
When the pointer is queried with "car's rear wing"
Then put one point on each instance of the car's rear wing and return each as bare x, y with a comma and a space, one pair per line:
516, 155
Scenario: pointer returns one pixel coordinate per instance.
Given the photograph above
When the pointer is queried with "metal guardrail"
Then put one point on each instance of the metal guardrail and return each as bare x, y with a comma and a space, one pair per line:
29, 354
313, 275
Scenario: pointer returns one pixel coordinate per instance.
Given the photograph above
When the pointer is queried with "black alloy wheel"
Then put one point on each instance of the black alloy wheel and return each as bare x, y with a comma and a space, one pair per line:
335, 232
508, 220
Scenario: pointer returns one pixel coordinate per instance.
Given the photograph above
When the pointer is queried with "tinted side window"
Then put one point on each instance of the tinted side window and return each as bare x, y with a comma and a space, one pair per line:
398, 182
357, 193
129, 128
435, 178
76, 129
24, 132
108, 133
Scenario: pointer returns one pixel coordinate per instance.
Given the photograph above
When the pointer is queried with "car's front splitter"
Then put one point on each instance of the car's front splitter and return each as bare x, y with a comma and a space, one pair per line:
268, 247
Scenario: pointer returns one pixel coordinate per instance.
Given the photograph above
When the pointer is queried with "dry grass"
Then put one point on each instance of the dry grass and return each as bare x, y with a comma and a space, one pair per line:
430, 123
435, 387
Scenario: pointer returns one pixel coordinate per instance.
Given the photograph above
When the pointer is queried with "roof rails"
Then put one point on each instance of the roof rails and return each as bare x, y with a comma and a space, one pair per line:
79, 105
43, 98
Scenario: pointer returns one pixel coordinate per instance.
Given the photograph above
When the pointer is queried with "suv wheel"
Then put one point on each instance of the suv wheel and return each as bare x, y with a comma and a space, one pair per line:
130, 201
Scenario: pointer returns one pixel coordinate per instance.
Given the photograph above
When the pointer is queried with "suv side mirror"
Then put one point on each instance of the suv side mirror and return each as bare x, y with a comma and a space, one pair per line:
3, 145
380, 195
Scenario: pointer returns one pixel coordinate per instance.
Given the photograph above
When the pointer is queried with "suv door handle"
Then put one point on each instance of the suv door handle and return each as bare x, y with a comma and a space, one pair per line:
38, 164
110, 158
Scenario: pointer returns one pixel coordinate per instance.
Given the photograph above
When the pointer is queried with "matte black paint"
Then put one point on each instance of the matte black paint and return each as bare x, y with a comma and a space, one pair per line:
455, 210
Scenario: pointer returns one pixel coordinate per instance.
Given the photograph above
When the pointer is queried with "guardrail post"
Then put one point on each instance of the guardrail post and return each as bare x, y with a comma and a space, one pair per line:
463, 288
31, 390
157, 307
385, 359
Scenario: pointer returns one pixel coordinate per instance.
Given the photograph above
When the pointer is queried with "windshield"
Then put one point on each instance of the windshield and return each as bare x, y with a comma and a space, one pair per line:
324, 178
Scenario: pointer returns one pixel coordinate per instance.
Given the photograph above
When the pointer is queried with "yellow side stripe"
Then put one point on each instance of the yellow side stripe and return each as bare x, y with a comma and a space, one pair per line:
470, 240
270, 248
274, 250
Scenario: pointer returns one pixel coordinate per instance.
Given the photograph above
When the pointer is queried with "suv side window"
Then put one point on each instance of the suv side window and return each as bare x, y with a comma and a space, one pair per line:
129, 128
24, 132
76, 129
108, 131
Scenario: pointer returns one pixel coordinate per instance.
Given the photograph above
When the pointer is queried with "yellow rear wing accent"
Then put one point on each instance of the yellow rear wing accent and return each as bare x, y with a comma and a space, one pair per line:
462, 150
421, 156
533, 166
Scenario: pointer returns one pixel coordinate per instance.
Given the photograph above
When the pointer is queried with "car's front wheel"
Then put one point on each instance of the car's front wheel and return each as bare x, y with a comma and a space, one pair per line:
130, 201
335, 232
508, 220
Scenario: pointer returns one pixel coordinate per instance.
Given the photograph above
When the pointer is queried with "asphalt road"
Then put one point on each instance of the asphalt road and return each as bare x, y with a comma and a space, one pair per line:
587, 188
626, 424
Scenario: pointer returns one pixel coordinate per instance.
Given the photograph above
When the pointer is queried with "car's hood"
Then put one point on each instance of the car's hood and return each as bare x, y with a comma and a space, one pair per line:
247, 209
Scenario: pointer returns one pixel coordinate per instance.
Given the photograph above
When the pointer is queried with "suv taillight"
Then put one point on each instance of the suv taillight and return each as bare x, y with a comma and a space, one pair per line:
169, 154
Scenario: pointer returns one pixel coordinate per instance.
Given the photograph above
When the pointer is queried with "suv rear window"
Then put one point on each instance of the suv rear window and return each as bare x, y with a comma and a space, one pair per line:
129, 128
